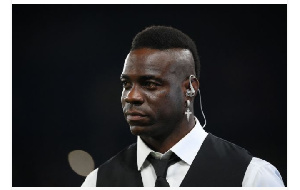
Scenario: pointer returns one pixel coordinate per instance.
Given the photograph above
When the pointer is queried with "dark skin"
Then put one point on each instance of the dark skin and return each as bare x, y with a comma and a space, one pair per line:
153, 97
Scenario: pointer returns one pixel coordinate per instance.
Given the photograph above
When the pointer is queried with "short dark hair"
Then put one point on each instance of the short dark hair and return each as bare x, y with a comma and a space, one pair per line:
165, 37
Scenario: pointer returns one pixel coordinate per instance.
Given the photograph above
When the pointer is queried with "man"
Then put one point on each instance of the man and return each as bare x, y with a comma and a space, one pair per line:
159, 86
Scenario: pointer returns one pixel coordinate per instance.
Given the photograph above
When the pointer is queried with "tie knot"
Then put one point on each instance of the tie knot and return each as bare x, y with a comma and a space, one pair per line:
161, 165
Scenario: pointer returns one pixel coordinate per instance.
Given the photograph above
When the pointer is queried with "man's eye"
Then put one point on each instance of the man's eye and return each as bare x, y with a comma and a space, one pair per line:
125, 84
150, 85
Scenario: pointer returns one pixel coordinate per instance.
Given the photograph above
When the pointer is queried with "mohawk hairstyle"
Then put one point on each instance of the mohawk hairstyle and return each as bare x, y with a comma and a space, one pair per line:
162, 38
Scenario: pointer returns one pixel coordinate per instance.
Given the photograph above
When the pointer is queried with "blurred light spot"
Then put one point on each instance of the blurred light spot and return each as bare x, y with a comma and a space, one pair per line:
81, 162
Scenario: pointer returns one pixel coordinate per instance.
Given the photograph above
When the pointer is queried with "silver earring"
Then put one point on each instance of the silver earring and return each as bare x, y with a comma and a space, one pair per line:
188, 112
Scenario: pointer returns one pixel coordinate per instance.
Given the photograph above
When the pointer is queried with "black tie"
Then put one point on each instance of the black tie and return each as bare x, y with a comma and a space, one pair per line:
160, 167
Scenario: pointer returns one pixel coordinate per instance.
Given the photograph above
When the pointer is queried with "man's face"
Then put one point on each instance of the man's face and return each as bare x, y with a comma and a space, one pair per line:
153, 92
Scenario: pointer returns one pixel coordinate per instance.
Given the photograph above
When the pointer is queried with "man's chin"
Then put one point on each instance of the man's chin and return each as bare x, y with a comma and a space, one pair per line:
140, 130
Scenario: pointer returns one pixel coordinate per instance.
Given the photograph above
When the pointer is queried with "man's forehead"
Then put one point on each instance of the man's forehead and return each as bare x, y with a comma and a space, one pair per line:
155, 60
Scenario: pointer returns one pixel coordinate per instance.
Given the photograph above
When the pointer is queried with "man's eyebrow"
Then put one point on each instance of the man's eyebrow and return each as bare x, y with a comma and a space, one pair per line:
148, 77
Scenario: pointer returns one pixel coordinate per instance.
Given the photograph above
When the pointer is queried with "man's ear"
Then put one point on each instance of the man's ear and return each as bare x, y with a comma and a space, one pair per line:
195, 84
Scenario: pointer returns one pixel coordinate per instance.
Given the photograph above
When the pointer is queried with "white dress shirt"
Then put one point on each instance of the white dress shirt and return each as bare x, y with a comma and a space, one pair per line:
259, 173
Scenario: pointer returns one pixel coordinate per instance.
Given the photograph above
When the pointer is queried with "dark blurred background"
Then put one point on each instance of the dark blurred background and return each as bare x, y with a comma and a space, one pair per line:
67, 60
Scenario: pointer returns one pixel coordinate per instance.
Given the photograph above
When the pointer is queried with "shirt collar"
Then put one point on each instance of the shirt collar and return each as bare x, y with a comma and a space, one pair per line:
193, 140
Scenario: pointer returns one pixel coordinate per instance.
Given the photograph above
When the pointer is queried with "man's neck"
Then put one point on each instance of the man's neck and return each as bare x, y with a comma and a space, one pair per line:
165, 143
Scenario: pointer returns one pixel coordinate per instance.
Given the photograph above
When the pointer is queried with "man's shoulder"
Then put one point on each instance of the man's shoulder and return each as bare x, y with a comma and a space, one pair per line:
127, 155
261, 173
125, 160
227, 146
224, 152
120, 170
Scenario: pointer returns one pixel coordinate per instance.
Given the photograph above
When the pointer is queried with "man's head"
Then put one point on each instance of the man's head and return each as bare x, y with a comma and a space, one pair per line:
155, 79
162, 38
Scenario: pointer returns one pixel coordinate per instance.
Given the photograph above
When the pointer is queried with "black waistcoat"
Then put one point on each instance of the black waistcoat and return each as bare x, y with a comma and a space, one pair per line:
218, 163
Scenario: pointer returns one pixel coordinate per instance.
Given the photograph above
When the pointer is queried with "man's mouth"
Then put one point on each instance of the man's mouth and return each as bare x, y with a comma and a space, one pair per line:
134, 115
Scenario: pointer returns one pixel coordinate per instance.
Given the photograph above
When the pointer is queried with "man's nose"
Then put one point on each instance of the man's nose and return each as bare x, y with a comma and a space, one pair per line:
134, 96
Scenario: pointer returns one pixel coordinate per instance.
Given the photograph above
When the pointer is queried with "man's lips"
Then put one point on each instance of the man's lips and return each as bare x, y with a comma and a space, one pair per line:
134, 116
